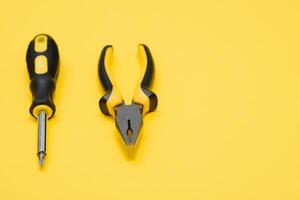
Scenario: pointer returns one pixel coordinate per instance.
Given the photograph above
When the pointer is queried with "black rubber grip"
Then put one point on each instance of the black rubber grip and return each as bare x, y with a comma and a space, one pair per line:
104, 78
105, 81
147, 79
42, 85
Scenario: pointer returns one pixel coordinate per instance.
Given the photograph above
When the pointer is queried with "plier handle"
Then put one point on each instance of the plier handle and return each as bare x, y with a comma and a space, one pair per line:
128, 117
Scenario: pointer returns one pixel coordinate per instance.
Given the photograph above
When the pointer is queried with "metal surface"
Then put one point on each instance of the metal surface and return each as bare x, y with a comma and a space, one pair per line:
42, 125
129, 121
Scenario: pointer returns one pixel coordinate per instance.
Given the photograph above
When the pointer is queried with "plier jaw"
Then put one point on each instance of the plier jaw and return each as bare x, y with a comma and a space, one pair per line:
129, 121
129, 118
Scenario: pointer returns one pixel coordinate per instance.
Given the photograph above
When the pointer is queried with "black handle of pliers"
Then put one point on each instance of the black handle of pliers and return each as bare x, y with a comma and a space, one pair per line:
148, 76
105, 81
147, 79
112, 97
43, 65
103, 75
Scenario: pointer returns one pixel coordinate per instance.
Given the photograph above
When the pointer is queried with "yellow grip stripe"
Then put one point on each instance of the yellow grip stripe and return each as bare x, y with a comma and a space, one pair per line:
41, 64
142, 99
40, 43
114, 100
44, 108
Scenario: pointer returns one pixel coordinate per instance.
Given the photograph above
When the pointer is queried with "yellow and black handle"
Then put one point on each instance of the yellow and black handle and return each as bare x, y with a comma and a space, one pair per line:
143, 95
112, 96
43, 65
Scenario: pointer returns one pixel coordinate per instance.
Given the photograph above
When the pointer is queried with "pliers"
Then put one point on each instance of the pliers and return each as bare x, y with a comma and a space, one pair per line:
128, 118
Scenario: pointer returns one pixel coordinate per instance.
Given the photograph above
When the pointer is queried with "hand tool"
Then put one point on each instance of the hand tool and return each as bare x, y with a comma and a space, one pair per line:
128, 118
43, 65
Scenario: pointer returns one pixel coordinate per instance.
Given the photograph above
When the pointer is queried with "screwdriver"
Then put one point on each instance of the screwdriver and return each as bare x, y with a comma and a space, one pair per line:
43, 65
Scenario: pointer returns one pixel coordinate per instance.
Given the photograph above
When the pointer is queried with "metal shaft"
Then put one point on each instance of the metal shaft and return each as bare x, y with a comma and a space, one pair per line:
42, 125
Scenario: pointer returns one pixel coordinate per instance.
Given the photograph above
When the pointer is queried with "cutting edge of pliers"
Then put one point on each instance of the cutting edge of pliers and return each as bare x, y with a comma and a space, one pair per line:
129, 118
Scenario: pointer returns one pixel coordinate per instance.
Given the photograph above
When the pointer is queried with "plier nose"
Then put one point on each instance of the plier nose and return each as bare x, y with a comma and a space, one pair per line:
129, 118
129, 121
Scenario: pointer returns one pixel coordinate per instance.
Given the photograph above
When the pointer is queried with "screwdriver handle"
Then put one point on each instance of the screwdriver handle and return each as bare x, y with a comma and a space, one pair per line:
43, 65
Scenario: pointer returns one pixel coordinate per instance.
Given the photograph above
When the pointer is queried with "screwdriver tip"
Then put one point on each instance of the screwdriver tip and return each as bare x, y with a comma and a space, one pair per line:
42, 162
41, 158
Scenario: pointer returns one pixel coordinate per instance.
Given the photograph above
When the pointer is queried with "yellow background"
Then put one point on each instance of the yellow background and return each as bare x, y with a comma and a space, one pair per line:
228, 82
